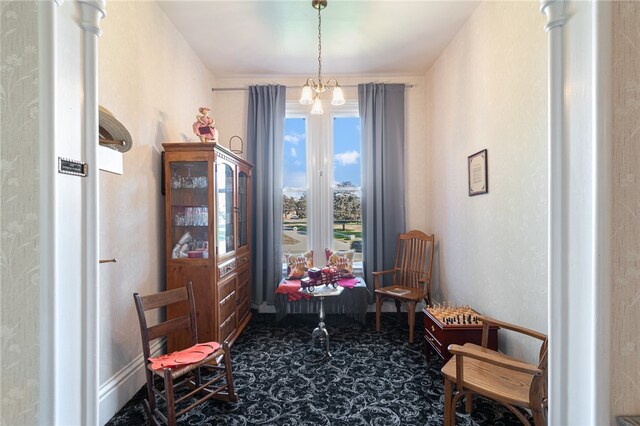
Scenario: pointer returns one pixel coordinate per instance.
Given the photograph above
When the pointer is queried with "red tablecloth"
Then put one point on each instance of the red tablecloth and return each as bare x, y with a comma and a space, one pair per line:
291, 287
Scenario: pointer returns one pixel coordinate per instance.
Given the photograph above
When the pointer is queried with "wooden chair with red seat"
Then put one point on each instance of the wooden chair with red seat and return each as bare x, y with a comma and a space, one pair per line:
513, 383
411, 276
188, 374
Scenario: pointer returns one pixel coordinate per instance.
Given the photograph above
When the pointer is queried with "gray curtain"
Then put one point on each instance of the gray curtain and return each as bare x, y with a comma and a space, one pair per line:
382, 120
265, 131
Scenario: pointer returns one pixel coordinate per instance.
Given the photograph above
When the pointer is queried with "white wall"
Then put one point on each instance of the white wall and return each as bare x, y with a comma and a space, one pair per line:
230, 112
152, 81
488, 90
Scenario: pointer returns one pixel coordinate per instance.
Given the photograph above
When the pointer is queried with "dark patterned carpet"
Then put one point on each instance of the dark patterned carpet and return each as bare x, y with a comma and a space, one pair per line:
372, 379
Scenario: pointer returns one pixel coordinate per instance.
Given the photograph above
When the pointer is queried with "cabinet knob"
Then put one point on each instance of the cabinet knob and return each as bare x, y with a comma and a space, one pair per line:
433, 328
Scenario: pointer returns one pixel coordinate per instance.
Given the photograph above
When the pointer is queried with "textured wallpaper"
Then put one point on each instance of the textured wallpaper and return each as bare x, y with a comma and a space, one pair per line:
488, 90
625, 374
19, 192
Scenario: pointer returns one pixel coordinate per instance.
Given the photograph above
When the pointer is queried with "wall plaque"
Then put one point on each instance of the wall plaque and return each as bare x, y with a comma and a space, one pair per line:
72, 167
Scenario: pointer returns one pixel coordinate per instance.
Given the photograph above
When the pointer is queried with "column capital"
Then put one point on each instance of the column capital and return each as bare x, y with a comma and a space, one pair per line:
556, 12
92, 12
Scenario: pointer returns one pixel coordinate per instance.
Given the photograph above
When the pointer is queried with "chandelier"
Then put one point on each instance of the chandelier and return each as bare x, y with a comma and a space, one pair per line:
311, 90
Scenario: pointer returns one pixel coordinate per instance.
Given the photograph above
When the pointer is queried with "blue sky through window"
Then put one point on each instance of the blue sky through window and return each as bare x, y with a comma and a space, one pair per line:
346, 150
346, 147
295, 153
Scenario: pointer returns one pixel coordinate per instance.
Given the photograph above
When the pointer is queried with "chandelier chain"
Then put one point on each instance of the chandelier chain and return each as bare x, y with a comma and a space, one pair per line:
319, 47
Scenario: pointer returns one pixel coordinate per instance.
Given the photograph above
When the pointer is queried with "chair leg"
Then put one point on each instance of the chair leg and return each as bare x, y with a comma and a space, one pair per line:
448, 396
151, 397
411, 312
227, 366
168, 392
378, 310
468, 400
539, 418
397, 307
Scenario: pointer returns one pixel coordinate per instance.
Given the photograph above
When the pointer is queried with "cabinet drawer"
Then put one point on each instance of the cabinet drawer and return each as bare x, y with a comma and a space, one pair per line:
227, 306
243, 291
433, 335
227, 328
227, 268
435, 330
243, 308
435, 344
225, 289
242, 260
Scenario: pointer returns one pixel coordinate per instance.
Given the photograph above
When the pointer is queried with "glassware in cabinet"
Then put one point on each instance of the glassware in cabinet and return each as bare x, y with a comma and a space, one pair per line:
189, 209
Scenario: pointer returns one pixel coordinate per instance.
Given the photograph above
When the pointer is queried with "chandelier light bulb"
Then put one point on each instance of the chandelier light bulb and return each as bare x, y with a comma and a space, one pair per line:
338, 96
317, 106
307, 95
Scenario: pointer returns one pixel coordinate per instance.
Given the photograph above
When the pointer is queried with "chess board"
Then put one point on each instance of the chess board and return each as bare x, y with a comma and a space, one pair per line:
449, 315
446, 324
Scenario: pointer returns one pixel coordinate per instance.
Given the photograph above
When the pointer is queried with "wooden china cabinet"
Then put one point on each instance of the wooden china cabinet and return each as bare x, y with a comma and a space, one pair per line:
208, 226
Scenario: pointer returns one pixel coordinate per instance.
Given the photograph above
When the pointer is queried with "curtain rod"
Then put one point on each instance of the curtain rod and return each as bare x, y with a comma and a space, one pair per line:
232, 89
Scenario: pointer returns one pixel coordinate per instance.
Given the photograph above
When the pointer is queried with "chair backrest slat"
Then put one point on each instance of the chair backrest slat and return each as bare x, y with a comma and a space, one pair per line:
411, 258
158, 300
169, 327
183, 323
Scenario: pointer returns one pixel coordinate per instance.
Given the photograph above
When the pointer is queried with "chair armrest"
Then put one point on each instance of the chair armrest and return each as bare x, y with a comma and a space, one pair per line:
512, 327
376, 275
495, 358
426, 283
383, 272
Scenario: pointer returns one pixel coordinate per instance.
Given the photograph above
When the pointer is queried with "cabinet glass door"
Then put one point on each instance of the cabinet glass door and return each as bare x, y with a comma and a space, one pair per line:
225, 207
243, 205
189, 212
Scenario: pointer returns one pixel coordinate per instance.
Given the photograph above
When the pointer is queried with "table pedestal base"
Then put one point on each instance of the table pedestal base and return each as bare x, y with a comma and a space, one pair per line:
320, 333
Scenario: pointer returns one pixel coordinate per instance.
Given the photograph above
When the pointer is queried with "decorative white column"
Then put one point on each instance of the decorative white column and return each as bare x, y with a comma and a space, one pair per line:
92, 12
555, 10
579, 211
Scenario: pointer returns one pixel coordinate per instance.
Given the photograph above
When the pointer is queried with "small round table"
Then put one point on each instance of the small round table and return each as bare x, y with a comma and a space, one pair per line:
320, 333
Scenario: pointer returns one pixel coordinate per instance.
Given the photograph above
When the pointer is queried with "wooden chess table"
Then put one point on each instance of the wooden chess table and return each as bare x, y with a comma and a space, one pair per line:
444, 326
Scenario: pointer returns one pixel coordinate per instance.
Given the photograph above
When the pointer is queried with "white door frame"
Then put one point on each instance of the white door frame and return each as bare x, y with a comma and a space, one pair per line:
68, 49
581, 332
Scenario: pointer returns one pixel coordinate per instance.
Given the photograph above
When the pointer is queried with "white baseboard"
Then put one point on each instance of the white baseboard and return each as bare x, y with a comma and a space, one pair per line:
120, 388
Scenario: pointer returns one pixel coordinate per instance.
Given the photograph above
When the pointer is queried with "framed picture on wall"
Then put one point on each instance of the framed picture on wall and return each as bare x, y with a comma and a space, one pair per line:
478, 176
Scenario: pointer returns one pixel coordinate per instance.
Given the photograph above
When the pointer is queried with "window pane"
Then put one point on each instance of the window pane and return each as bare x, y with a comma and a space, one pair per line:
295, 153
347, 218
347, 222
294, 198
346, 151
294, 222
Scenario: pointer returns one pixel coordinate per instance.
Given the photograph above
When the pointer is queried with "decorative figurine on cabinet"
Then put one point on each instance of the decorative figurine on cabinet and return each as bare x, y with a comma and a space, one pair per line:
203, 127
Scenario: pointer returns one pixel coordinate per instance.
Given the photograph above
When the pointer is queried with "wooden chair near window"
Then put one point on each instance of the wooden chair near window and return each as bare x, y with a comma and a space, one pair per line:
411, 276
185, 378
478, 370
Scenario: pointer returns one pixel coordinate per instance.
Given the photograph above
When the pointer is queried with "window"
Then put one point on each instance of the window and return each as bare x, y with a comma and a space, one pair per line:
322, 182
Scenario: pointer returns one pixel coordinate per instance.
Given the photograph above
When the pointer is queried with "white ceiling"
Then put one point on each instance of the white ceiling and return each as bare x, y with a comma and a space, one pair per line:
280, 38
